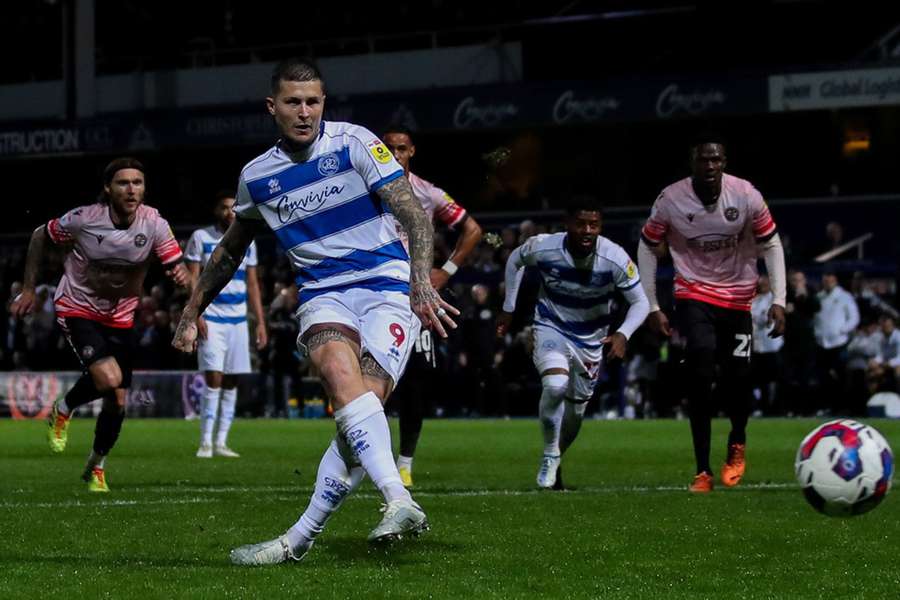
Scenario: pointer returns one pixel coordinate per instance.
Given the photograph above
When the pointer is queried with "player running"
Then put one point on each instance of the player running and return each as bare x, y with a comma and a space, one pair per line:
109, 247
410, 393
223, 351
715, 227
327, 191
580, 270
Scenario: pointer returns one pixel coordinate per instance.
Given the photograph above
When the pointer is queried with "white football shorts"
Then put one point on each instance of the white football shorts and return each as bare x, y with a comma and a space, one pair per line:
553, 350
226, 348
386, 324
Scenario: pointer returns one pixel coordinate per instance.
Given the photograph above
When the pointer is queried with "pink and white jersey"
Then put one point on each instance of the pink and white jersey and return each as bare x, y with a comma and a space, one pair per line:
713, 248
106, 265
437, 203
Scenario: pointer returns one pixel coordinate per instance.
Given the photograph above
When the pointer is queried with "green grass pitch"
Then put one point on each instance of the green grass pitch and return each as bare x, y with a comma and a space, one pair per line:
629, 530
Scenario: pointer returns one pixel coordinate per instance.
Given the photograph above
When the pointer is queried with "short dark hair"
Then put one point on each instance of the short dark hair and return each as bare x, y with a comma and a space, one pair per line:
398, 128
707, 137
114, 166
583, 202
221, 195
296, 69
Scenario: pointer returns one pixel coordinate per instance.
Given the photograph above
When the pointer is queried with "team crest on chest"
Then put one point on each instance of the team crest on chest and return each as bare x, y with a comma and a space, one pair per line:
328, 164
140, 240
732, 214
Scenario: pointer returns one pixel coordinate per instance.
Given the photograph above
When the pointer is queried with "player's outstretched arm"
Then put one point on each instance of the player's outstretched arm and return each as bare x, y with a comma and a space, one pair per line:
254, 298
24, 302
423, 298
647, 262
512, 279
773, 255
219, 270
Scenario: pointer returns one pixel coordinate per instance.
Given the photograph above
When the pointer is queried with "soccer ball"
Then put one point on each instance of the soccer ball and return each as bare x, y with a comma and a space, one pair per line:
844, 468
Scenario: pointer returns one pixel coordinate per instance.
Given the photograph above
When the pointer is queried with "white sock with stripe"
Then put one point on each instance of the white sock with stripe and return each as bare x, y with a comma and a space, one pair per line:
334, 482
226, 415
365, 428
210, 409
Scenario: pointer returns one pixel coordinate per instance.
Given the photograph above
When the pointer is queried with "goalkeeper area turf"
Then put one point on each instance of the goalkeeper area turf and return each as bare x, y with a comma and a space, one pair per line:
628, 529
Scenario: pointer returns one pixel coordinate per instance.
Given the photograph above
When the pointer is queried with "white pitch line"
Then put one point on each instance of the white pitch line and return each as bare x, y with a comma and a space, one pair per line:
361, 495
105, 503
425, 492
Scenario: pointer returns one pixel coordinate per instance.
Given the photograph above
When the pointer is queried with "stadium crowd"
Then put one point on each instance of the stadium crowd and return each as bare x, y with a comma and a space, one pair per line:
842, 343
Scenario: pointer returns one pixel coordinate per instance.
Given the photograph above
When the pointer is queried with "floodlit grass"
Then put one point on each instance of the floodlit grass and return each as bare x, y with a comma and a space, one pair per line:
629, 529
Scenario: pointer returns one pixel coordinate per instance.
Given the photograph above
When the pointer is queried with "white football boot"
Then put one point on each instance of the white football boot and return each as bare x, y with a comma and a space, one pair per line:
401, 517
546, 477
272, 552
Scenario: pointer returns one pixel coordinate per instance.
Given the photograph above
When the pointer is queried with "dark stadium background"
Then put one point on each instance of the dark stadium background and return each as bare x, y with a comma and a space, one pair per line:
815, 166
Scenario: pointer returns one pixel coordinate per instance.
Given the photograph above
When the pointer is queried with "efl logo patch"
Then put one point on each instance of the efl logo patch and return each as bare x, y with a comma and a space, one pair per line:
379, 151
630, 270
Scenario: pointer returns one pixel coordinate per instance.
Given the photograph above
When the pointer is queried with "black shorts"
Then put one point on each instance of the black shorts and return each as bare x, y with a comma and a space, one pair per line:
94, 341
423, 359
715, 336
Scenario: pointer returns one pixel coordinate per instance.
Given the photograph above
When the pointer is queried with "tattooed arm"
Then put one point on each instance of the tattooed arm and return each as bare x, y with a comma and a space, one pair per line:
219, 270
425, 302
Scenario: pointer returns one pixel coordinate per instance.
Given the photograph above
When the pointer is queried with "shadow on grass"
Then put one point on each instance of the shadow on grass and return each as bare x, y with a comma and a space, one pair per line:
407, 552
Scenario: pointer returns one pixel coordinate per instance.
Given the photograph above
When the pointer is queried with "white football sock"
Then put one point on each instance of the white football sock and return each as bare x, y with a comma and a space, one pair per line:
62, 407
208, 419
404, 461
571, 423
334, 482
226, 415
551, 410
364, 426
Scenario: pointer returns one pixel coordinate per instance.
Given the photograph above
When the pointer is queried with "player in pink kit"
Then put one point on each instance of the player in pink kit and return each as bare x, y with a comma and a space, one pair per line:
110, 245
419, 376
715, 226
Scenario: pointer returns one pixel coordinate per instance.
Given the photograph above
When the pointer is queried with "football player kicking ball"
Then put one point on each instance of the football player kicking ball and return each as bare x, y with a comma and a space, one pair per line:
716, 226
110, 244
330, 192
580, 271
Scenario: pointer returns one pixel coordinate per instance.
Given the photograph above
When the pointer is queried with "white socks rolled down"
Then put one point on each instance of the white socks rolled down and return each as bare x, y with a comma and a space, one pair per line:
209, 412
551, 410
365, 428
226, 415
335, 480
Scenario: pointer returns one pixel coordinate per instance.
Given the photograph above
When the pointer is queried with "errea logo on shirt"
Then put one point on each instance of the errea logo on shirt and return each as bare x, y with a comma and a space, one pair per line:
274, 185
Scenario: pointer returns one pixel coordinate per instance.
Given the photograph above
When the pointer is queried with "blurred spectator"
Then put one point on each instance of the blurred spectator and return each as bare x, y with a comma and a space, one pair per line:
837, 318
521, 378
767, 359
13, 332
281, 364
834, 235
527, 229
871, 304
155, 342
861, 353
479, 356
885, 367
799, 344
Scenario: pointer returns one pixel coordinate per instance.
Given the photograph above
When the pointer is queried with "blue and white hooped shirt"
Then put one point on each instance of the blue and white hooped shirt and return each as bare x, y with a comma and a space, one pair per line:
324, 211
230, 306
